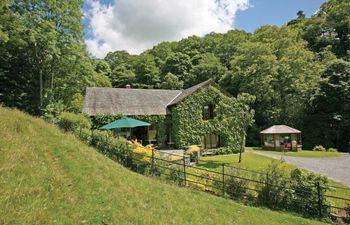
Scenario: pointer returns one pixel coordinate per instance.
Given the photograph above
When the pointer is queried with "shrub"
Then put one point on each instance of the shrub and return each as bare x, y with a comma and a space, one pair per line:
300, 192
102, 140
236, 187
115, 148
176, 174
332, 150
305, 193
71, 122
319, 148
84, 135
273, 192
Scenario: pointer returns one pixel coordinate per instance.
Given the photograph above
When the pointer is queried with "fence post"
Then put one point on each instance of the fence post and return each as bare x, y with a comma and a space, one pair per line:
267, 190
152, 161
223, 179
184, 164
319, 198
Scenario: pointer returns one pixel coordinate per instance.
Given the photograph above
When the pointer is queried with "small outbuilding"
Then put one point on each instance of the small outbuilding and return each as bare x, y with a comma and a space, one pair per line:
281, 137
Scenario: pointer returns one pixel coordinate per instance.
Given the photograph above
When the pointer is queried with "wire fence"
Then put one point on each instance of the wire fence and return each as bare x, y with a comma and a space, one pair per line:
247, 185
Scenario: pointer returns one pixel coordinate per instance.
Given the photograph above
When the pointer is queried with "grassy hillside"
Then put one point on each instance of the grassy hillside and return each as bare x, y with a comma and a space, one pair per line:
47, 177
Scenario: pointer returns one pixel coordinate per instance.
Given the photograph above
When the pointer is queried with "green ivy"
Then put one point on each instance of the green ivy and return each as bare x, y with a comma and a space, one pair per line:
232, 118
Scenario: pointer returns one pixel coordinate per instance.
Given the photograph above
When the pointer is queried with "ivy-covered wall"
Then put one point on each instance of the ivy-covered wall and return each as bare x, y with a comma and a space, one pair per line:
232, 118
188, 127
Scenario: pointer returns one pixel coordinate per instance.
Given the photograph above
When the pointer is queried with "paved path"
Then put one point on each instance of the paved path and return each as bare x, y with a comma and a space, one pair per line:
336, 168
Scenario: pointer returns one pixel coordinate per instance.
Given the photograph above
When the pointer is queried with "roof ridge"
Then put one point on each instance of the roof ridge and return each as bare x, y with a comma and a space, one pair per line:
189, 91
143, 89
174, 98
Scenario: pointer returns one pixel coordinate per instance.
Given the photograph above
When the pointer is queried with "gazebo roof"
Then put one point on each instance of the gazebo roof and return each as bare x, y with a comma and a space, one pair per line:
280, 129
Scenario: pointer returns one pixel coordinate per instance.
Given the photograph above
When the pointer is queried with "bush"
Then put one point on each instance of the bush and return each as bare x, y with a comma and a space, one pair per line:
332, 150
71, 122
319, 148
305, 193
84, 135
176, 174
236, 187
299, 192
115, 148
273, 192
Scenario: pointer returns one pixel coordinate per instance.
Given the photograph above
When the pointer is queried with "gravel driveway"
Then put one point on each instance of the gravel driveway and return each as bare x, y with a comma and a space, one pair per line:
336, 168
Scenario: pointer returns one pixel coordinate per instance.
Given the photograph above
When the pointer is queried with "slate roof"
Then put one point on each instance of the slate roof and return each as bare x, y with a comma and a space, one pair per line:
280, 129
129, 101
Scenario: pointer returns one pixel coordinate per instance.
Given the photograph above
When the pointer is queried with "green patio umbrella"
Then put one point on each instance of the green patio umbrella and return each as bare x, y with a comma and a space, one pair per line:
125, 122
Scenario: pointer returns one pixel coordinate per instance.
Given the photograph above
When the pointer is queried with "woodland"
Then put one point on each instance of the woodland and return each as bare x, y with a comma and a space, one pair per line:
298, 73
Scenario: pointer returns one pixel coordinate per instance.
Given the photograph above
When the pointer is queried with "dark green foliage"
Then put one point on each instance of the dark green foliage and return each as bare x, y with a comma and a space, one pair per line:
42, 56
330, 27
73, 122
305, 197
329, 116
300, 192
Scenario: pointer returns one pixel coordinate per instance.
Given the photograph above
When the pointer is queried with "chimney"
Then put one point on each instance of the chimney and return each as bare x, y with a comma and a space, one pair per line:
128, 86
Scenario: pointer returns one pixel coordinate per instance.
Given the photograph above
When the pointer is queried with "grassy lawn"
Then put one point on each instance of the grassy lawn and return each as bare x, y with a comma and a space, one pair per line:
47, 177
260, 163
303, 153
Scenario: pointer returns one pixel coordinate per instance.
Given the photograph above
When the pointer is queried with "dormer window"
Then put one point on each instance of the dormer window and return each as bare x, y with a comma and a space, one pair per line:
208, 112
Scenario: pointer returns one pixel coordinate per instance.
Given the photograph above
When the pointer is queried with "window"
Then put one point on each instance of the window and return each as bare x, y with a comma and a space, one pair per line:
211, 141
208, 112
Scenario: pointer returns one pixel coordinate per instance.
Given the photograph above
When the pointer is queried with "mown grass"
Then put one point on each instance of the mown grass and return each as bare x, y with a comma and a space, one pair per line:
303, 153
260, 163
47, 177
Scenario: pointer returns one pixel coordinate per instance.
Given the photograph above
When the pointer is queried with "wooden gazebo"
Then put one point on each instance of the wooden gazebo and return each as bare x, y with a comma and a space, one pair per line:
281, 137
